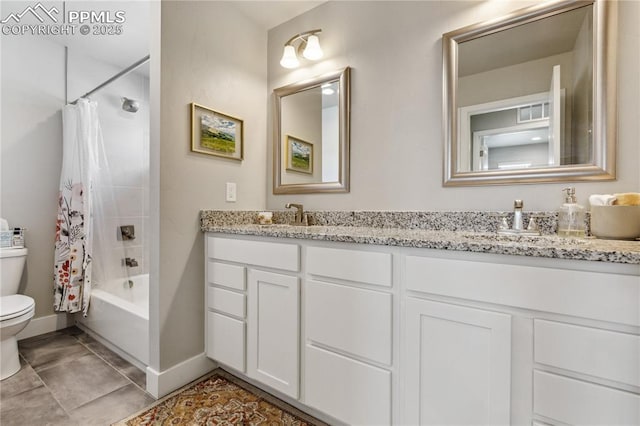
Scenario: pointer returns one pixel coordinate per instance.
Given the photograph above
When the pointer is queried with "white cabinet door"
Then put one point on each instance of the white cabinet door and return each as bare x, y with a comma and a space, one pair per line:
225, 340
351, 391
273, 330
457, 365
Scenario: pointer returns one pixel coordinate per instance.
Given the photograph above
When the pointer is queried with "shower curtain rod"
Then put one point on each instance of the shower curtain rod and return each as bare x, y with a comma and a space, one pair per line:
115, 77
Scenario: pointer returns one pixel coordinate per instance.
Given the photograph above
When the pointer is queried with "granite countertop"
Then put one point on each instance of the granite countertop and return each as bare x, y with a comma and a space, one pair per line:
548, 246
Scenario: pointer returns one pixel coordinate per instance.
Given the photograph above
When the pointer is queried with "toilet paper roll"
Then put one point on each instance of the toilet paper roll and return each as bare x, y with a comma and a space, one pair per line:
4, 225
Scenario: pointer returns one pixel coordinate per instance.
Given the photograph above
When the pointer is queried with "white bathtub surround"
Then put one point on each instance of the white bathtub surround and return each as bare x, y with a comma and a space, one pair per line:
119, 314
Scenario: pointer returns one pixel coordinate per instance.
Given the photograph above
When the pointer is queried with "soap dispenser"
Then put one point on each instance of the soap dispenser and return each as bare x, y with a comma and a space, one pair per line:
571, 216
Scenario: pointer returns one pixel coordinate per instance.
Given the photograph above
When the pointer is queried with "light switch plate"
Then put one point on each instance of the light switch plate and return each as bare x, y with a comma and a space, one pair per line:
231, 192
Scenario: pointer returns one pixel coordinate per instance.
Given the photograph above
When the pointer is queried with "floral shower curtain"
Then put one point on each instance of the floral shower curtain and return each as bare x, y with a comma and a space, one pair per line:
82, 142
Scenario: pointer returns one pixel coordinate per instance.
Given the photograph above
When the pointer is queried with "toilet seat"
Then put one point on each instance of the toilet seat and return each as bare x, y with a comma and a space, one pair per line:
15, 306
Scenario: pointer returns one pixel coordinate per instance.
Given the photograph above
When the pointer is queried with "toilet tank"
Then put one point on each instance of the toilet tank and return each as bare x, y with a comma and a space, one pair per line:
11, 266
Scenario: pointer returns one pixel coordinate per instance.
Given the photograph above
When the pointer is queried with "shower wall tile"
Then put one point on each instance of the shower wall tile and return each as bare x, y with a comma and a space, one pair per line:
112, 264
136, 253
112, 230
113, 249
121, 201
126, 147
126, 157
129, 201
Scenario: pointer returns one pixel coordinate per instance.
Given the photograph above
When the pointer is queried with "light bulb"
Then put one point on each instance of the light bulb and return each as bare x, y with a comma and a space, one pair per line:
289, 58
313, 50
327, 89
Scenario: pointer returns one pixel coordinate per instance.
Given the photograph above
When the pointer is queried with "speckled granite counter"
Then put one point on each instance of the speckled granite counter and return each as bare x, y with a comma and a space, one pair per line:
548, 246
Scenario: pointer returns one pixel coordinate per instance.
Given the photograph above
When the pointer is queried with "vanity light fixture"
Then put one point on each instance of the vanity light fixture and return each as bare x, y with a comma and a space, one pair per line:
309, 46
327, 90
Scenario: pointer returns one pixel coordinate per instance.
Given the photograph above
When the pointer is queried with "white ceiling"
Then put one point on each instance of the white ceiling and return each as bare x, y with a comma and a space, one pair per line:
119, 50
269, 14
535, 40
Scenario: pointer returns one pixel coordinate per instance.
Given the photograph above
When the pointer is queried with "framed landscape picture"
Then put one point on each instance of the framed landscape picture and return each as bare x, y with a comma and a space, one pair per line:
299, 155
215, 133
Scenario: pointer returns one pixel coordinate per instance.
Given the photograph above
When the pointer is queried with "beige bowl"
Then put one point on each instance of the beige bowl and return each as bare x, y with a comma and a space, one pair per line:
615, 222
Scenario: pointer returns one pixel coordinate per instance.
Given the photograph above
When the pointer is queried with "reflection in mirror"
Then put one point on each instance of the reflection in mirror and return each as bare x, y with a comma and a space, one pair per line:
520, 103
311, 135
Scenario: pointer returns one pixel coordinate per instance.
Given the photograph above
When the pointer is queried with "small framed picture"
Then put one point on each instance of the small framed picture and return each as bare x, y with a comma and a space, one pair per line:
299, 155
215, 133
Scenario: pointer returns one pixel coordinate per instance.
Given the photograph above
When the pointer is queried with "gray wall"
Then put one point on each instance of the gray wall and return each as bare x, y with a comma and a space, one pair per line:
396, 126
214, 56
31, 132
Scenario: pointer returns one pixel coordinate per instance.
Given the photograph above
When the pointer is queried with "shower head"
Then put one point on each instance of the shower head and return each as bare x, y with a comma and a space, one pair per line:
130, 105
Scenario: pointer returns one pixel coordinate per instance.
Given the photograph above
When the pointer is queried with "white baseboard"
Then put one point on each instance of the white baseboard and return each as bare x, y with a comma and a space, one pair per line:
162, 383
46, 324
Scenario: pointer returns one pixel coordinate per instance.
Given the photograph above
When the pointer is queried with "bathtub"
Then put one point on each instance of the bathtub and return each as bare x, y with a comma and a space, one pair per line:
119, 315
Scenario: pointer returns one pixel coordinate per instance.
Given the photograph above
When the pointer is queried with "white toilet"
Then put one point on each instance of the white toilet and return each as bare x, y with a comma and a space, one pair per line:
16, 310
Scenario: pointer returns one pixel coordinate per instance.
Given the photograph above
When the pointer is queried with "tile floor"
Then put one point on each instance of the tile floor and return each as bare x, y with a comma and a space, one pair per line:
68, 378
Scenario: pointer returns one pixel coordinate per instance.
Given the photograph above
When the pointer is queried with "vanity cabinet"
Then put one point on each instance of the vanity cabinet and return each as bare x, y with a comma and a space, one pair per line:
273, 330
520, 341
458, 363
253, 305
376, 335
348, 312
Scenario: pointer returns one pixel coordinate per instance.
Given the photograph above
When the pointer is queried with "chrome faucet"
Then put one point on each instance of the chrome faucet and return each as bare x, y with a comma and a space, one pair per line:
301, 217
517, 227
517, 215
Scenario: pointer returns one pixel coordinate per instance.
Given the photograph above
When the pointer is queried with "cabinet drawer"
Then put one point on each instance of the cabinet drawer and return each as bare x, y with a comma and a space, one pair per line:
351, 391
576, 402
600, 353
226, 340
350, 319
225, 275
260, 253
596, 295
226, 301
352, 265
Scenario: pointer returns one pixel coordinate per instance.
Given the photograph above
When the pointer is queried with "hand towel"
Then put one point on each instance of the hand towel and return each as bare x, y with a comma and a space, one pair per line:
601, 199
627, 199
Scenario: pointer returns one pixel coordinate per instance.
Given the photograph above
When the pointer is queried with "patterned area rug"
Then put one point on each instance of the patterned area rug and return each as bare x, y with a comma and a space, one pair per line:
219, 399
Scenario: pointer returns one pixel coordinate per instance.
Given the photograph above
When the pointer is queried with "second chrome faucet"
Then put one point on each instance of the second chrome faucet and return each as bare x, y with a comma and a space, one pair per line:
517, 228
301, 218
